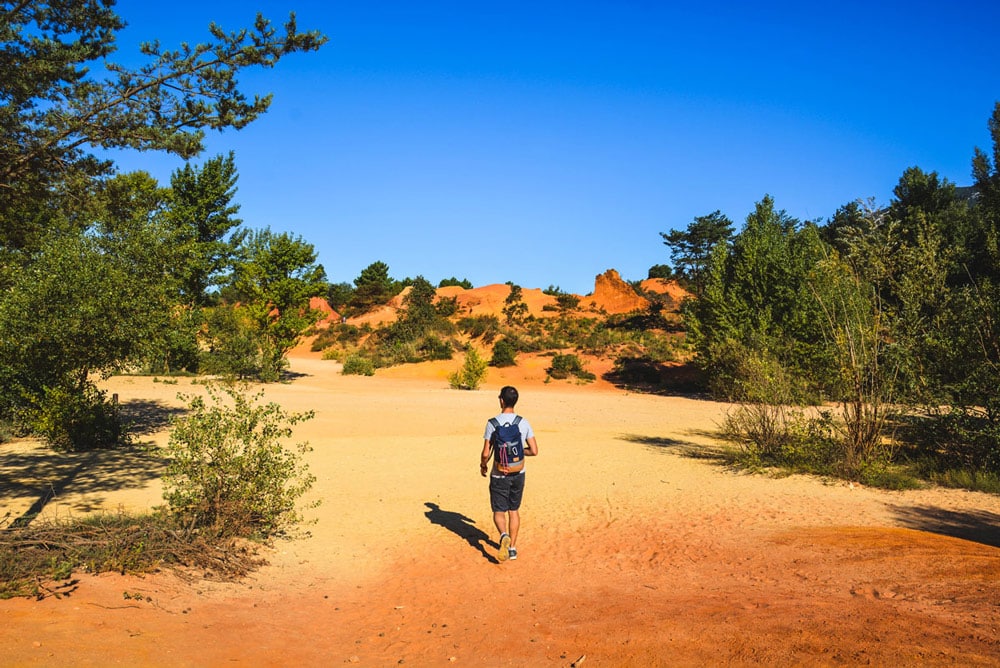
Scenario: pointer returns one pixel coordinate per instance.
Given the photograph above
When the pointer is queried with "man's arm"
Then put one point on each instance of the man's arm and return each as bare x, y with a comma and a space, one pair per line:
532, 448
484, 457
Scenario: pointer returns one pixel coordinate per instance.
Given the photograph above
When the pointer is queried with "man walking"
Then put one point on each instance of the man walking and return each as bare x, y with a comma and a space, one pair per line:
508, 439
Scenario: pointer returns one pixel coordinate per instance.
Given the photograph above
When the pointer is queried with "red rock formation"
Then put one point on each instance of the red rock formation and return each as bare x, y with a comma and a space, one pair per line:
613, 295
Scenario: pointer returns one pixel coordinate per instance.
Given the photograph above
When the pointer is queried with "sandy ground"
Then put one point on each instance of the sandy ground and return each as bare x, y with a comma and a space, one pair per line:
636, 548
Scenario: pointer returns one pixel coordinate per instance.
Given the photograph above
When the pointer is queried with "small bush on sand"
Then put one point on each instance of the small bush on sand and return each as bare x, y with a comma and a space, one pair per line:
472, 373
504, 353
565, 366
356, 365
228, 470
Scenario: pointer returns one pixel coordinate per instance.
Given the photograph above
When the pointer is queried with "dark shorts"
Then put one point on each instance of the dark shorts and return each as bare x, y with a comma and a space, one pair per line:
506, 492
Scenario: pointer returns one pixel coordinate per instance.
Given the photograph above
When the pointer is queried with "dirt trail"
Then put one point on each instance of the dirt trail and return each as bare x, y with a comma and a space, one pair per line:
635, 550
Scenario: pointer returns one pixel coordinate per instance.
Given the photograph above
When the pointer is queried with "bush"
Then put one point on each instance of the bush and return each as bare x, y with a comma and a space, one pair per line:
356, 365
778, 435
485, 326
228, 470
472, 373
75, 421
564, 366
567, 302
340, 333
433, 348
235, 346
504, 354
447, 306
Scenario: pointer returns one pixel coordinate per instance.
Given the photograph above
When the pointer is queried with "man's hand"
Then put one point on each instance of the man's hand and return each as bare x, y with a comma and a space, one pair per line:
482, 469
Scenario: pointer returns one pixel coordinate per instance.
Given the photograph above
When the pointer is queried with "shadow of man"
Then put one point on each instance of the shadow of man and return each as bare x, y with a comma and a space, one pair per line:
463, 527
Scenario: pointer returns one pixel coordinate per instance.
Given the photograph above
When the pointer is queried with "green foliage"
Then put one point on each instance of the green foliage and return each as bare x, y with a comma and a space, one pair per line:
93, 268
567, 302
504, 354
515, 310
756, 300
342, 334
416, 334
200, 216
63, 95
339, 296
447, 282
566, 366
433, 348
691, 250
235, 346
356, 365
660, 271
446, 307
768, 434
486, 327
373, 287
85, 305
228, 469
277, 280
73, 421
472, 373
176, 348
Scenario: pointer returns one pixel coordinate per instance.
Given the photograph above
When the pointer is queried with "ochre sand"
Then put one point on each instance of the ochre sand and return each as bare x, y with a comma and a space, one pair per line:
634, 550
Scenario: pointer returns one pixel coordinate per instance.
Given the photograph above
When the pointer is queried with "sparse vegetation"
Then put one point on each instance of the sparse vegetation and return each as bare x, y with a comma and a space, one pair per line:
566, 366
472, 373
228, 470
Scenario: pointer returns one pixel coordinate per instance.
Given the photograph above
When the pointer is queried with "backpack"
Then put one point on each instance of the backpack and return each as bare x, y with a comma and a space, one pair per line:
508, 451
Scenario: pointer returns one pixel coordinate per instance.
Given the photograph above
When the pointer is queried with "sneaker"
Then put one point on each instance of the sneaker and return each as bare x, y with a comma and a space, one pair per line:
512, 553
504, 547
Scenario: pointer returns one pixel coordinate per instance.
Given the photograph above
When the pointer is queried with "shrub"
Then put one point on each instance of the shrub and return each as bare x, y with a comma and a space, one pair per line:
235, 346
472, 373
447, 306
504, 354
464, 283
75, 421
356, 365
564, 366
228, 470
779, 435
567, 302
485, 326
433, 348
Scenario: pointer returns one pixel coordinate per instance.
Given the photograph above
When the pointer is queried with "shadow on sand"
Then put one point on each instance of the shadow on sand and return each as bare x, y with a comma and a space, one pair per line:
688, 449
43, 474
974, 525
463, 527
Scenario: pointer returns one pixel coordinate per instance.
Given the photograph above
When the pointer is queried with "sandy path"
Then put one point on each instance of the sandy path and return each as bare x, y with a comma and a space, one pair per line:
632, 551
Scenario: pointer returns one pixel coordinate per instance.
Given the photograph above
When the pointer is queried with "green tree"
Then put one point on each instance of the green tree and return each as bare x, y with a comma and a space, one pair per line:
756, 304
277, 278
202, 215
339, 296
660, 271
76, 311
85, 265
373, 287
985, 238
691, 249
514, 310
57, 105
447, 282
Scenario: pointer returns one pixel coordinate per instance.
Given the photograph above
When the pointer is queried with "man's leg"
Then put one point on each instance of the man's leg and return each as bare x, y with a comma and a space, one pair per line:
500, 519
515, 524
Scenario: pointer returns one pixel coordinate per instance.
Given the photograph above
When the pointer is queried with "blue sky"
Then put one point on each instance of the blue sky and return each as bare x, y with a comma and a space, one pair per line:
546, 142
